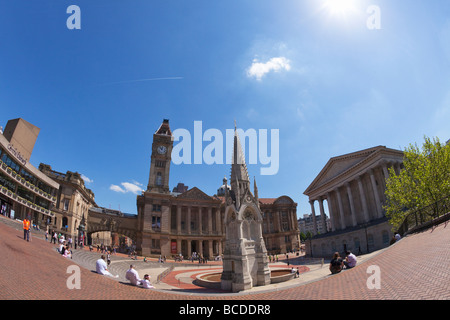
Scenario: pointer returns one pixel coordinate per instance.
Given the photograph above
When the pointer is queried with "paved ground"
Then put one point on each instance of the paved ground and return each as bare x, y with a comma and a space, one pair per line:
415, 268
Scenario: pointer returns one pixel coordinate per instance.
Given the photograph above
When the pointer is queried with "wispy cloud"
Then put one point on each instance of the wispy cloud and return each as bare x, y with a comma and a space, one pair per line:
133, 187
259, 69
86, 179
144, 80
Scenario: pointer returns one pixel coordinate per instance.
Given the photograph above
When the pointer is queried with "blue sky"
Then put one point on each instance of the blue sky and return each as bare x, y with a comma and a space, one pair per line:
329, 83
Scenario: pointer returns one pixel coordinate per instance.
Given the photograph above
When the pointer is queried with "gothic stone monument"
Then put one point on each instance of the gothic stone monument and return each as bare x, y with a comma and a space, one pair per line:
245, 261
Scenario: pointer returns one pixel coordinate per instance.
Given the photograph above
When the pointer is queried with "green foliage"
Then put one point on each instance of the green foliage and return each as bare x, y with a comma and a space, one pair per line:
424, 180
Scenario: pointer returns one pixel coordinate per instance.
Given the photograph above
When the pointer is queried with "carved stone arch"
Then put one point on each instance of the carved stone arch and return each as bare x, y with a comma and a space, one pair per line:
244, 212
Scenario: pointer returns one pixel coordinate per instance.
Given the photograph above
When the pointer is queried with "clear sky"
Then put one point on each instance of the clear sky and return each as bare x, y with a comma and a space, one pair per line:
333, 76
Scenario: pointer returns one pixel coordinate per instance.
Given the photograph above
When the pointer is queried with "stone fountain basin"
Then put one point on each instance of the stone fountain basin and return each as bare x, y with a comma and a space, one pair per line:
212, 280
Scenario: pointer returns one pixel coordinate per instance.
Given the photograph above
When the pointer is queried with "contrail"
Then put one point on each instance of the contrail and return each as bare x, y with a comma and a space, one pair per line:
143, 80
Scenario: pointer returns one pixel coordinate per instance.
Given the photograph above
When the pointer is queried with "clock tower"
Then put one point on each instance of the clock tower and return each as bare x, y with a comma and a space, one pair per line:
158, 181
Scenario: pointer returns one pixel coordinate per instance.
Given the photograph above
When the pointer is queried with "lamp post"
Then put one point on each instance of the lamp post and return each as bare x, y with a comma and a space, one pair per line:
81, 231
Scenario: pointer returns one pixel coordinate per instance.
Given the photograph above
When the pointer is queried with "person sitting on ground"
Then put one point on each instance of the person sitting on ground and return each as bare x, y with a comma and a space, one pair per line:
146, 284
350, 260
67, 253
336, 263
102, 268
132, 276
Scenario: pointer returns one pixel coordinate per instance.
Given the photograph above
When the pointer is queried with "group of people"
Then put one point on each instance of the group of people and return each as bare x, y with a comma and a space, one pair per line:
131, 275
337, 264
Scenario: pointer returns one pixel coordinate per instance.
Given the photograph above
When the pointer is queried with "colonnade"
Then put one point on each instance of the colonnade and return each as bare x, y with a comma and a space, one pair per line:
213, 223
356, 201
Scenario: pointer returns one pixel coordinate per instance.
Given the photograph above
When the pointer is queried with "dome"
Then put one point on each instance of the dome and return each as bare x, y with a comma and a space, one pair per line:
221, 190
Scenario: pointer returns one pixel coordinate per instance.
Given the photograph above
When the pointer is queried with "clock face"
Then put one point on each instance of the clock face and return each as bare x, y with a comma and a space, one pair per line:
162, 149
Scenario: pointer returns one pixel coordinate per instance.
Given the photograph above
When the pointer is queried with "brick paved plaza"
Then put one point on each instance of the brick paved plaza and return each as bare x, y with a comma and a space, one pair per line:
415, 268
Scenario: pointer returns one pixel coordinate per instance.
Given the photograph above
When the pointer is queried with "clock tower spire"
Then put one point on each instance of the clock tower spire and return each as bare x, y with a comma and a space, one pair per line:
160, 159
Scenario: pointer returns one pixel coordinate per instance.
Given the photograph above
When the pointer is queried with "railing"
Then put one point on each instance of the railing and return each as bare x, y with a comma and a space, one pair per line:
426, 217
17, 177
164, 273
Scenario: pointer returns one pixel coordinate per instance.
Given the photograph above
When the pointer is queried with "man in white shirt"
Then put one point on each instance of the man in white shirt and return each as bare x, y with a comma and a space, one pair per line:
132, 276
102, 268
350, 260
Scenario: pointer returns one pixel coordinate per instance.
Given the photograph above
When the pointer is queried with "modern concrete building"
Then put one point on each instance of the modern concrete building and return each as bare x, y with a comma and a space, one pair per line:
353, 186
24, 190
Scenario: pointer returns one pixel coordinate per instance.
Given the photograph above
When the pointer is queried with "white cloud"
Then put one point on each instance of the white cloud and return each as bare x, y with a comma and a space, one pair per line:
134, 187
260, 69
86, 179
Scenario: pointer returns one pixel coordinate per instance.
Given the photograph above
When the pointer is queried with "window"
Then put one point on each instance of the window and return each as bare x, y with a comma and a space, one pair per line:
66, 204
385, 236
284, 221
157, 207
160, 164
158, 179
156, 223
10, 162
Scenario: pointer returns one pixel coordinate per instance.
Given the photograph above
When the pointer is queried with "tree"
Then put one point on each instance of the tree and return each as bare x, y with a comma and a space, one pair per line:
424, 180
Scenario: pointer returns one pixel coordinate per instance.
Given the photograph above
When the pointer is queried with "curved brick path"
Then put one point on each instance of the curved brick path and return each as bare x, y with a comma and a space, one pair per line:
417, 267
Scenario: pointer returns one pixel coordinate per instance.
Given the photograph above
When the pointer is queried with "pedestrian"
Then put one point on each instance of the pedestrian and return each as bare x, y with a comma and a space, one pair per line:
46, 235
102, 268
350, 260
133, 276
146, 284
26, 229
108, 259
336, 263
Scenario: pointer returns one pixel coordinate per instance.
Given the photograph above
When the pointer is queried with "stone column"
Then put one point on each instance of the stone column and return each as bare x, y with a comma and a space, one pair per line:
375, 193
189, 248
200, 225
178, 219
322, 215
178, 246
188, 220
218, 221
362, 195
352, 205
341, 208
210, 228
385, 170
311, 202
330, 212
210, 249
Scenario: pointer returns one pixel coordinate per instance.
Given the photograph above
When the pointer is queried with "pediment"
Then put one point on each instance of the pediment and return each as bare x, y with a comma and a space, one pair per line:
336, 166
195, 194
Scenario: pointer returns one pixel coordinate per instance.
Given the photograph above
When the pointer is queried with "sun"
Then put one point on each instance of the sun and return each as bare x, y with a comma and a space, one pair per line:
340, 7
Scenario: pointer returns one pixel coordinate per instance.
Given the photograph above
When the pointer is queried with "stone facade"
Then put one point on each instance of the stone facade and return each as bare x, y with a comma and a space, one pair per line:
353, 186
73, 201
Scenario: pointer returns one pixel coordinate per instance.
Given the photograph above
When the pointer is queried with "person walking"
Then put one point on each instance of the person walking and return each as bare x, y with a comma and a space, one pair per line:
26, 229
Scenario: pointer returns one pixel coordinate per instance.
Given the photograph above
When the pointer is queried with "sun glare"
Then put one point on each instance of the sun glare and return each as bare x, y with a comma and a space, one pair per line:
340, 7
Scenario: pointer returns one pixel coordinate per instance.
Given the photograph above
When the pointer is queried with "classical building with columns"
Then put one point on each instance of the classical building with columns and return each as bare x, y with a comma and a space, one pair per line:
186, 221
353, 186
